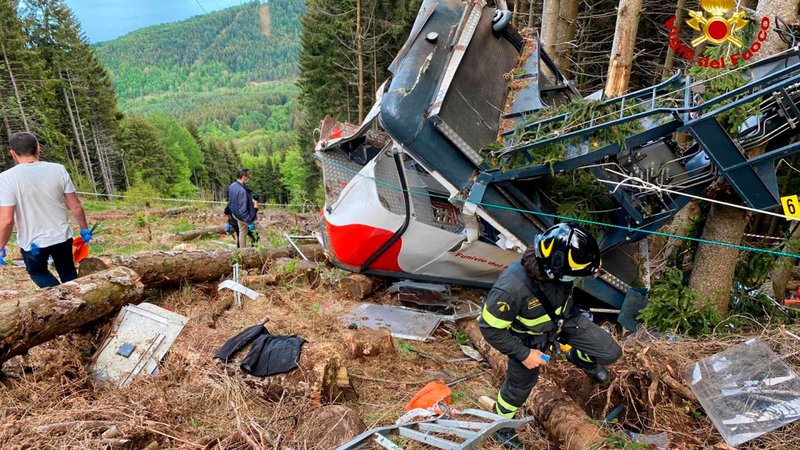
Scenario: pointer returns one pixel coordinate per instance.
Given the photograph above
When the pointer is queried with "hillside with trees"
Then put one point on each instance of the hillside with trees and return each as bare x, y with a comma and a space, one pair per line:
235, 47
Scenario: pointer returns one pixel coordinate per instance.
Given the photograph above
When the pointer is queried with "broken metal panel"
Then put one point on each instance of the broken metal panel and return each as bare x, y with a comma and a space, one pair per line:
746, 391
403, 323
145, 333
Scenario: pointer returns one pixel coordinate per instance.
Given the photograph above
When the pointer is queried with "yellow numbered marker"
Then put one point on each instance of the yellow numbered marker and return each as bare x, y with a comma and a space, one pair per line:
791, 206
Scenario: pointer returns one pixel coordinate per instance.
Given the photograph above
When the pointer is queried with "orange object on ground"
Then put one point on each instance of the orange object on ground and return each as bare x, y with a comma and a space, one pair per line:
433, 393
791, 301
80, 250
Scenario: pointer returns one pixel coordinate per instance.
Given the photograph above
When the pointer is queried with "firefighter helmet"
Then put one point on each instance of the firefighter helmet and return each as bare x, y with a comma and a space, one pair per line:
567, 250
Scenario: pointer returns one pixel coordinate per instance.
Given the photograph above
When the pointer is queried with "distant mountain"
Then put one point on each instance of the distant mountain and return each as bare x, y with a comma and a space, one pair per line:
235, 47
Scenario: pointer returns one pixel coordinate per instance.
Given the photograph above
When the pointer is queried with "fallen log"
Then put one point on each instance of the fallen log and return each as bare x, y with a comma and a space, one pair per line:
159, 269
172, 211
357, 286
562, 418
30, 319
91, 265
194, 234
260, 280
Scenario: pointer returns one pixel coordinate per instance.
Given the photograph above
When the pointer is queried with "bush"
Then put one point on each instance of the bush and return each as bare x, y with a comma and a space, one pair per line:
141, 194
676, 308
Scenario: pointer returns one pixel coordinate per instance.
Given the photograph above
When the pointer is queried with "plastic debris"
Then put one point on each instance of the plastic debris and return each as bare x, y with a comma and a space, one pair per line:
746, 391
238, 287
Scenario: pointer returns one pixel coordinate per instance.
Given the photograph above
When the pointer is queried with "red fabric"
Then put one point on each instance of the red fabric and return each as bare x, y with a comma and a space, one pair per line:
80, 250
433, 393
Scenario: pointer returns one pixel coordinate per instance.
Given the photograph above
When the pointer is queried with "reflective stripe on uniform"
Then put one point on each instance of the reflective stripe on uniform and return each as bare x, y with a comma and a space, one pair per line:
537, 321
493, 321
503, 408
583, 356
535, 333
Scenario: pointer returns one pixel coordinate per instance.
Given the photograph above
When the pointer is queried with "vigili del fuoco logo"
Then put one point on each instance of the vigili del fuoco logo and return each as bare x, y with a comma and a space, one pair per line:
718, 23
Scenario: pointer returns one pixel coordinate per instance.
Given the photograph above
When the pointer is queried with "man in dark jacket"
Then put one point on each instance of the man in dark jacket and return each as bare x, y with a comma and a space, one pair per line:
529, 311
232, 227
240, 203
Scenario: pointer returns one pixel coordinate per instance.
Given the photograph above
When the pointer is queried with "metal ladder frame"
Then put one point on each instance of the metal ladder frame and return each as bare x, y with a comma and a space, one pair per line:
473, 433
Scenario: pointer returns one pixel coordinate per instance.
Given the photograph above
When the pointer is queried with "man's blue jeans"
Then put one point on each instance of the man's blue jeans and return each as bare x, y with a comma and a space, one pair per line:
62, 259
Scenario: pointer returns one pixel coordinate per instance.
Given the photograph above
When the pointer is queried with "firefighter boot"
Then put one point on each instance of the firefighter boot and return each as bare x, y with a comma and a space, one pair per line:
507, 437
595, 371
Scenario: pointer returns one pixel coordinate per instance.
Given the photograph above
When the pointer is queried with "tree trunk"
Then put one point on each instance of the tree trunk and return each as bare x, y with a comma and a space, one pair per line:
194, 234
669, 63
30, 319
105, 167
562, 418
357, 286
567, 17
714, 265
787, 10
160, 269
14, 85
80, 123
360, 51
619, 69
531, 16
549, 32
679, 225
87, 169
781, 271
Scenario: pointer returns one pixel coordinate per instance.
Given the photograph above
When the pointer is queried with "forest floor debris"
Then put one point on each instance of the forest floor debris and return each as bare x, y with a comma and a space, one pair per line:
49, 399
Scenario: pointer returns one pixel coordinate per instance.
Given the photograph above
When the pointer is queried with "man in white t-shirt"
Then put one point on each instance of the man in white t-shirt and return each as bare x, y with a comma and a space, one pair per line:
38, 197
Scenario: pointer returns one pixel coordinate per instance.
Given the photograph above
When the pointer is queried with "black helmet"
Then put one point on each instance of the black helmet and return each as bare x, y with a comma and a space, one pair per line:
567, 250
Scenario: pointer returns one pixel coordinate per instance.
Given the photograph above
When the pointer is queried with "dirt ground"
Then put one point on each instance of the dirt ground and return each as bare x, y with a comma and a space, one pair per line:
49, 400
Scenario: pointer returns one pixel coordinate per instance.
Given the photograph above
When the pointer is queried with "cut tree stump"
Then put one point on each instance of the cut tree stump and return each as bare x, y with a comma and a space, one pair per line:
30, 319
368, 343
358, 287
194, 234
159, 269
562, 418
317, 378
330, 427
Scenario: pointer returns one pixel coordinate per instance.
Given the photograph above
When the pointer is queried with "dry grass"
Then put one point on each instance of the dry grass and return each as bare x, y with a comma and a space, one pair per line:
50, 401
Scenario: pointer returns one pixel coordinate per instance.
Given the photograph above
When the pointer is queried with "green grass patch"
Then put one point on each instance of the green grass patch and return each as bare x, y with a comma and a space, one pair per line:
460, 337
182, 226
406, 349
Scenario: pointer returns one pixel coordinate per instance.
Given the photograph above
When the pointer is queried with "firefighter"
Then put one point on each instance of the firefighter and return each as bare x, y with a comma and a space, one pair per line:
530, 312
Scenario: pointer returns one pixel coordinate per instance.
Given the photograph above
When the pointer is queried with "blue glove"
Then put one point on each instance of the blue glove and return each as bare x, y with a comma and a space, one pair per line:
34, 251
86, 235
3, 256
228, 228
251, 227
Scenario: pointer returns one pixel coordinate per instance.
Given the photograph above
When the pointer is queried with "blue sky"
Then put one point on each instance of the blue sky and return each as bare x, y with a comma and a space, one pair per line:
106, 19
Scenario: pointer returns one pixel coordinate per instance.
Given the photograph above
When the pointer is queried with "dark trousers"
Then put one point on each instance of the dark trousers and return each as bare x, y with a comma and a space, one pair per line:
589, 340
62, 259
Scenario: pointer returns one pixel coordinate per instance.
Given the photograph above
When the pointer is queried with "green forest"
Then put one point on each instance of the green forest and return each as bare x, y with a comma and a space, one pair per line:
174, 110
236, 47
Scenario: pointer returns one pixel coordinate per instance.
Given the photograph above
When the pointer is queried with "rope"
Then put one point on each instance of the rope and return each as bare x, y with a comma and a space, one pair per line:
646, 185
187, 200
559, 217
